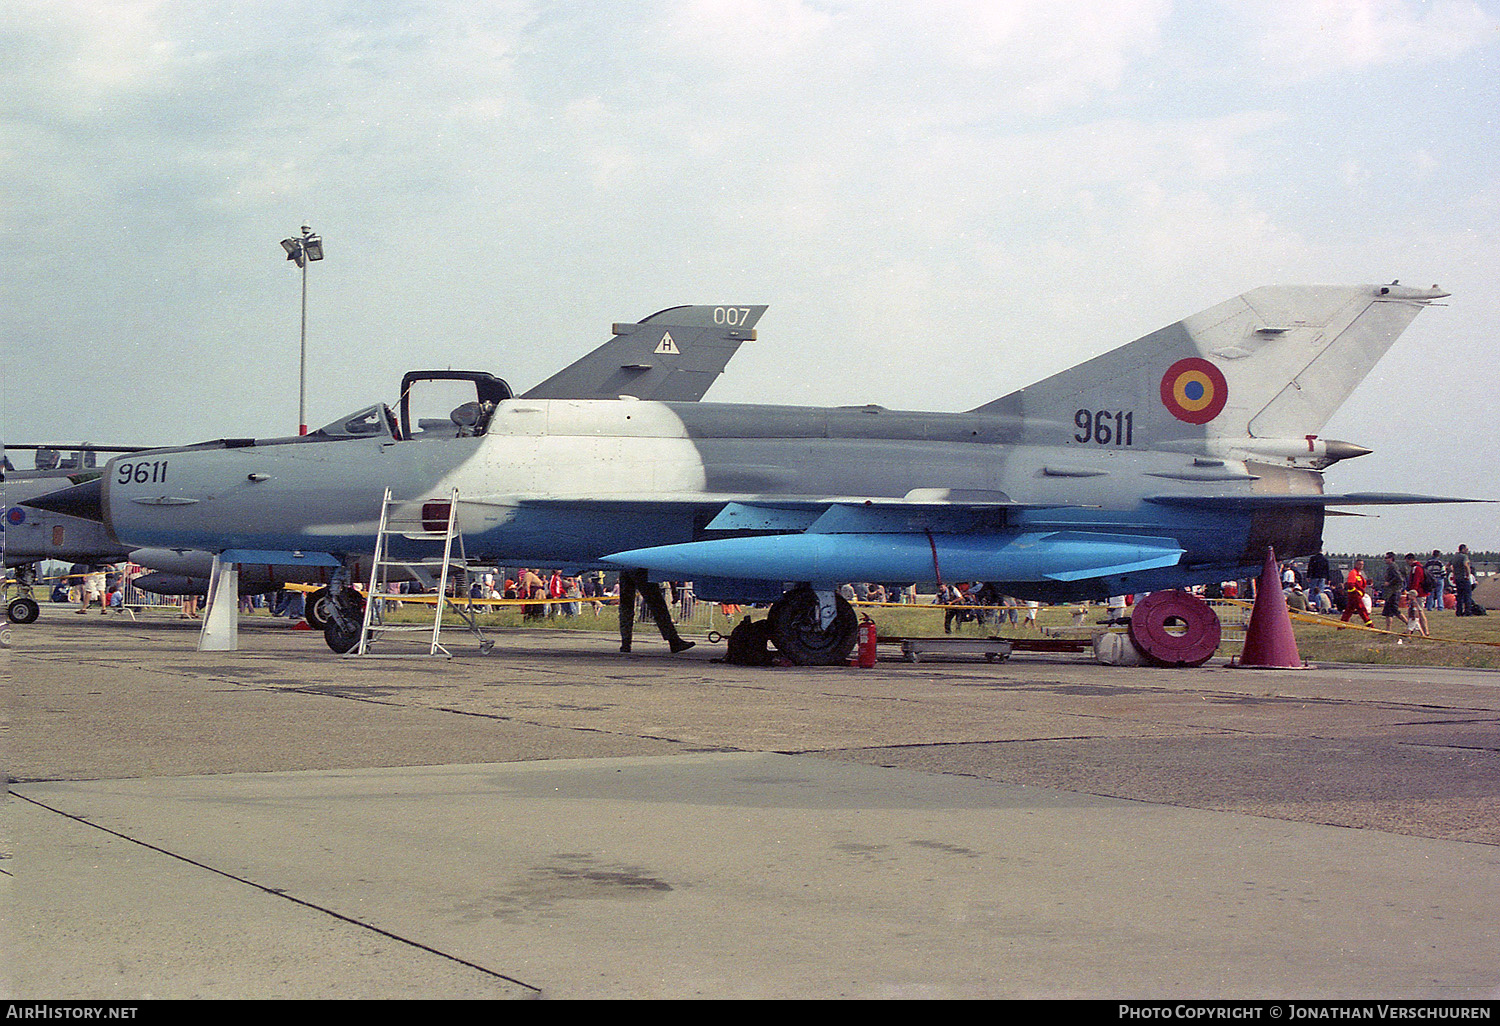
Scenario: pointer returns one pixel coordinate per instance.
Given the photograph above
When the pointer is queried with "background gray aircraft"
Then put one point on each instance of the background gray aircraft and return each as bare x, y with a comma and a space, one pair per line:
675, 355
1174, 460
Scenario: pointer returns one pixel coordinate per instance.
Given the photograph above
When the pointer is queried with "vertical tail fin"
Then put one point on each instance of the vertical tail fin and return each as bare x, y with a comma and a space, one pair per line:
671, 356
1274, 363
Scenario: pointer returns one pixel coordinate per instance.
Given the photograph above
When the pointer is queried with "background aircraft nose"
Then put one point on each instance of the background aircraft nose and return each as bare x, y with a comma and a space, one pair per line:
85, 501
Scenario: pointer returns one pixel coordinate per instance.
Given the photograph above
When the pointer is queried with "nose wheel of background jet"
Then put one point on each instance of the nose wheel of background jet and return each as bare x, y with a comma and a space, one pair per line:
317, 609
345, 621
798, 635
22, 610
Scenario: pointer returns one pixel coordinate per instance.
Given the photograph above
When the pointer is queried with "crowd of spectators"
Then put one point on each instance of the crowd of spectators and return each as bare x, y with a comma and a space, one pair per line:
1405, 588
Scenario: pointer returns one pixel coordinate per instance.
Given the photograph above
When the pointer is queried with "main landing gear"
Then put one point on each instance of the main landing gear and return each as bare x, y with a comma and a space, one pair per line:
23, 608
807, 626
813, 628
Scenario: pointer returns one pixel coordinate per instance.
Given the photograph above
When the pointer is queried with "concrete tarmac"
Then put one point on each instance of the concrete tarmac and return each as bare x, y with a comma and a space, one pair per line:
557, 820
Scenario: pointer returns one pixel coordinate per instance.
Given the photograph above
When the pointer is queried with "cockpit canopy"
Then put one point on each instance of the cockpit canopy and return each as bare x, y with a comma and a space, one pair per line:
475, 393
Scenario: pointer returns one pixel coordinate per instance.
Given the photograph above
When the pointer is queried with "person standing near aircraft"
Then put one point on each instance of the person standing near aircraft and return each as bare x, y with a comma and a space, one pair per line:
656, 604
1463, 583
1416, 576
92, 588
1317, 578
1356, 584
1416, 616
1392, 587
532, 590
953, 597
1437, 581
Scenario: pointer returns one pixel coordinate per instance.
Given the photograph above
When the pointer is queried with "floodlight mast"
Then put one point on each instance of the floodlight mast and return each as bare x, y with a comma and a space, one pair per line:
309, 247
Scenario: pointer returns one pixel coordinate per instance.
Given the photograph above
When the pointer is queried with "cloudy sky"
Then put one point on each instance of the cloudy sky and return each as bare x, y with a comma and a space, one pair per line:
940, 201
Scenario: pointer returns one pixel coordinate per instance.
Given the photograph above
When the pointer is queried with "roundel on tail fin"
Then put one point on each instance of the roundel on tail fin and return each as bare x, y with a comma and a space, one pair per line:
1194, 390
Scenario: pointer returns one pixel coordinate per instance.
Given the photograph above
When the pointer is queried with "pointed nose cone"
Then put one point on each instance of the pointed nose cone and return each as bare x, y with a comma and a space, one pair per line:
1337, 450
85, 501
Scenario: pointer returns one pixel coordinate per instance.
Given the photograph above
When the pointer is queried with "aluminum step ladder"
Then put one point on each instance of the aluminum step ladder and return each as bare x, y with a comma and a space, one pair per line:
432, 523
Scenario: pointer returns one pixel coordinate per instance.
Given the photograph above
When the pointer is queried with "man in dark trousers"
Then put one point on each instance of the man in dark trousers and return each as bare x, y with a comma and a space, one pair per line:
1392, 587
632, 581
1437, 579
1317, 577
1463, 583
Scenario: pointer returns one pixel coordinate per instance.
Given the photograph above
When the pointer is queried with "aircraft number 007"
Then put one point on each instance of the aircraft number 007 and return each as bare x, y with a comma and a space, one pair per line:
1105, 428
731, 315
142, 473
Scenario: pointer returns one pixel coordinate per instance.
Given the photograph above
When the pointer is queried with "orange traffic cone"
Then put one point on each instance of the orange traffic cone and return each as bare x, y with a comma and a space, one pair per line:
1269, 641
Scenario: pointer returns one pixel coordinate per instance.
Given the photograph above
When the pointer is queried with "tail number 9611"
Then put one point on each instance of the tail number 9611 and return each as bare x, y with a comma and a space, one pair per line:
1105, 428
141, 473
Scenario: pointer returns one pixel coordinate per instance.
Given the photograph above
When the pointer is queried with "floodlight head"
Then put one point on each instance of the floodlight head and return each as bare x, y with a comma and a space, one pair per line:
313, 247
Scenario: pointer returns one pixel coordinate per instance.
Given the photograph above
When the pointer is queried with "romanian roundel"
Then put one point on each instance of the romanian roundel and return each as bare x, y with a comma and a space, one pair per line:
1194, 390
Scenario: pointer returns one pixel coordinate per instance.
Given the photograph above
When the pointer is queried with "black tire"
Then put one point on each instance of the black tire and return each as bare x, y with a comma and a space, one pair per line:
796, 634
22, 610
315, 610
346, 622
340, 638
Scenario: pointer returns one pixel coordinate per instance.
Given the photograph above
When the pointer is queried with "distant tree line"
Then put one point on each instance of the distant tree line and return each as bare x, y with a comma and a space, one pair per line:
1484, 562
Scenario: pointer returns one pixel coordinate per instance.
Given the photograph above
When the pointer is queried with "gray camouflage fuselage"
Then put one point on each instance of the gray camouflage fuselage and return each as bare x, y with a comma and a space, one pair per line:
563, 482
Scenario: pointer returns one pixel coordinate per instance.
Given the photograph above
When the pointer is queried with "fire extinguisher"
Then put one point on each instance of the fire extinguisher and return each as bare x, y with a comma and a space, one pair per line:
865, 657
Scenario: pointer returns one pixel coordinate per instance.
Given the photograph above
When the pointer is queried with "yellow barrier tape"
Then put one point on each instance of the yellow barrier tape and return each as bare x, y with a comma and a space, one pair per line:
429, 598
1319, 620
935, 605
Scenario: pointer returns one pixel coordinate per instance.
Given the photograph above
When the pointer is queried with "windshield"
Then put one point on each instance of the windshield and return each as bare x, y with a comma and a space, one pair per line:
370, 422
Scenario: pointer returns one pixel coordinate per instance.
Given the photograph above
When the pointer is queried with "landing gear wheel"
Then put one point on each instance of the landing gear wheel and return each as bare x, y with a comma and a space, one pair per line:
22, 610
1173, 628
797, 634
317, 609
345, 622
